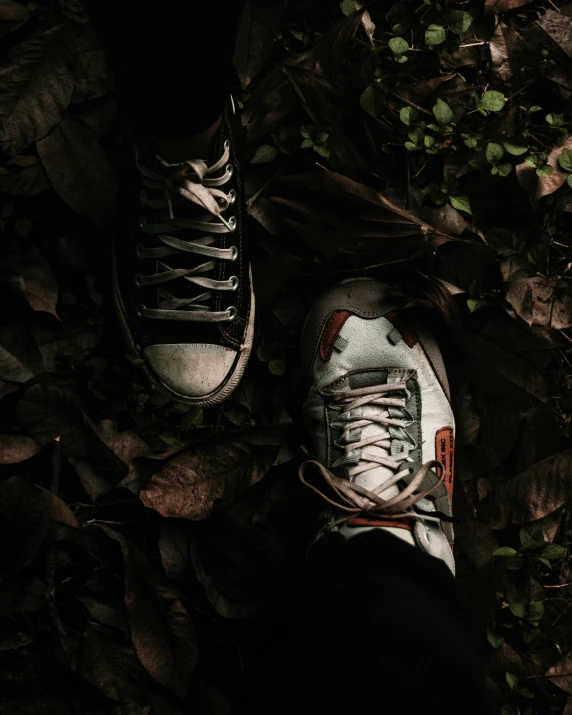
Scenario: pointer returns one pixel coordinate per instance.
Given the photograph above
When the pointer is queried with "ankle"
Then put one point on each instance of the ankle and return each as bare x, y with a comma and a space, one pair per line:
198, 146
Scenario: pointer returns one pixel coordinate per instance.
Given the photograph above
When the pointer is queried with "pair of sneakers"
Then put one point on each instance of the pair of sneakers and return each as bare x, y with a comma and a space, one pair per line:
376, 409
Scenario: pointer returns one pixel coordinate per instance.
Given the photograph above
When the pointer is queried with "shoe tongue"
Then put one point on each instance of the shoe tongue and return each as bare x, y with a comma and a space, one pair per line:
373, 478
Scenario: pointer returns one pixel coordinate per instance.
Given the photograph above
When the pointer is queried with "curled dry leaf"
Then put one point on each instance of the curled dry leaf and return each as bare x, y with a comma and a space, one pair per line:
335, 214
12, 16
508, 52
16, 448
79, 170
542, 301
36, 85
190, 483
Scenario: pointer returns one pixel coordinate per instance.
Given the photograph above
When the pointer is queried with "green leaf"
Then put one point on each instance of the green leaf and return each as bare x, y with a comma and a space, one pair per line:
565, 159
307, 143
516, 146
322, 151
470, 142
410, 146
264, 154
277, 366
461, 203
474, 304
492, 101
505, 551
301, 36
503, 169
459, 21
555, 120
398, 45
371, 100
305, 132
494, 639
435, 35
569, 181
494, 152
517, 609
321, 137
511, 680
428, 141
531, 535
553, 551
347, 7
544, 171
535, 611
408, 115
442, 112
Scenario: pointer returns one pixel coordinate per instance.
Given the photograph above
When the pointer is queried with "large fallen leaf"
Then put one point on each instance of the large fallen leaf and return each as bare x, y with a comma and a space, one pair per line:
335, 214
542, 300
496, 6
509, 52
72, 337
36, 85
549, 184
17, 448
161, 630
58, 510
533, 493
190, 483
12, 369
558, 27
39, 282
92, 75
561, 673
12, 15
255, 38
274, 99
23, 176
107, 659
79, 170
23, 522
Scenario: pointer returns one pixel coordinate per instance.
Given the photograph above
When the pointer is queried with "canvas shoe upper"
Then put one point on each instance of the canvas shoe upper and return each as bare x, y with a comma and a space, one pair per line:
181, 277
378, 418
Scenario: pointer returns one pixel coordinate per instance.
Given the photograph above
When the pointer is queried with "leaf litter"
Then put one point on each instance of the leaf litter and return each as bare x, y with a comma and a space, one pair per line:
146, 543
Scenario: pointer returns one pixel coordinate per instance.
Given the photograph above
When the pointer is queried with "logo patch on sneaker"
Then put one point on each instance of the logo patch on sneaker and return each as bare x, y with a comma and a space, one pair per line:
445, 453
331, 331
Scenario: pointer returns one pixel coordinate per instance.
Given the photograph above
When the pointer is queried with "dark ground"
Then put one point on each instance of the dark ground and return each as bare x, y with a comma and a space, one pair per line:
150, 550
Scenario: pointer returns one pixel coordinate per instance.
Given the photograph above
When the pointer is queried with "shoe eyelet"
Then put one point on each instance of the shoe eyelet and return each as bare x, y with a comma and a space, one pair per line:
232, 194
234, 281
229, 170
138, 248
233, 221
142, 223
138, 281
232, 313
234, 250
227, 143
139, 310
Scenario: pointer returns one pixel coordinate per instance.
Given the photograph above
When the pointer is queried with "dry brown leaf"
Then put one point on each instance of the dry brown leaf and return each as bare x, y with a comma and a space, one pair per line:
36, 85
542, 300
12, 16
189, 484
16, 448
40, 286
497, 6
58, 510
508, 52
561, 673
558, 27
79, 170
549, 184
23, 176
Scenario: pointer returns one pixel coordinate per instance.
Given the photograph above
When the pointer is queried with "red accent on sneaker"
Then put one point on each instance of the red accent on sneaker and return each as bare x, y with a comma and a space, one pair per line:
362, 521
408, 333
445, 453
331, 332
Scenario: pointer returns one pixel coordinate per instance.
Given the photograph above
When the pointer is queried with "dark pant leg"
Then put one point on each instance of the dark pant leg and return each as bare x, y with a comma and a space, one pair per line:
385, 632
172, 60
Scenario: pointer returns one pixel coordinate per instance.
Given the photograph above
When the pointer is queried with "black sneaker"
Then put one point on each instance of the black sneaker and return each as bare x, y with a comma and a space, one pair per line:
182, 284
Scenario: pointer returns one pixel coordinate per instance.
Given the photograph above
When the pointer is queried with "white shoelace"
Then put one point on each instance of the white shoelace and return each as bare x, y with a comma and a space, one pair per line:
354, 499
190, 180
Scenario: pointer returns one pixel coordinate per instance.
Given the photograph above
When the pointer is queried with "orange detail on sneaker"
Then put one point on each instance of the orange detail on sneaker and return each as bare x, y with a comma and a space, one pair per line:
445, 453
408, 334
362, 521
331, 332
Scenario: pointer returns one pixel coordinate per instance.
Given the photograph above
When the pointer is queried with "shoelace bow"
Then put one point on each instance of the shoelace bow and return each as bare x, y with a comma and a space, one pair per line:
356, 500
192, 181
